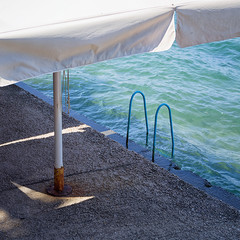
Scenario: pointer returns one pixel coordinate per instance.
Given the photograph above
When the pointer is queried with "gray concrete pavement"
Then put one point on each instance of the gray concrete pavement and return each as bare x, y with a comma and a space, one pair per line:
117, 194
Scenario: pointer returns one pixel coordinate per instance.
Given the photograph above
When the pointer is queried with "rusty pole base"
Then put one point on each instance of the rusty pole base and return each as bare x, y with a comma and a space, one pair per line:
59, 189
66, 191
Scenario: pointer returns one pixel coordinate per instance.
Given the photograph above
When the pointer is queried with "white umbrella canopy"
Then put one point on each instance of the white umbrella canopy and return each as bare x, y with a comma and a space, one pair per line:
48, 36
207, 21
38, 37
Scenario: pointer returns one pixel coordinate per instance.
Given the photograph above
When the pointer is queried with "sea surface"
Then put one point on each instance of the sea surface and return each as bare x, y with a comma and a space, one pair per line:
201, 85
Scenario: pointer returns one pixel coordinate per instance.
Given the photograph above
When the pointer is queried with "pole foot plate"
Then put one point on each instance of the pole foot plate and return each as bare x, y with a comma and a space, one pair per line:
65, 192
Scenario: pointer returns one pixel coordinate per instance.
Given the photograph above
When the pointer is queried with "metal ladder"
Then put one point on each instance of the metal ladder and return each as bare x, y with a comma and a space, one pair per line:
146, 120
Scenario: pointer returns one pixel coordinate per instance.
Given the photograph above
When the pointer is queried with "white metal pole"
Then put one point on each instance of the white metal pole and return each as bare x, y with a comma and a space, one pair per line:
57, 92
59, 188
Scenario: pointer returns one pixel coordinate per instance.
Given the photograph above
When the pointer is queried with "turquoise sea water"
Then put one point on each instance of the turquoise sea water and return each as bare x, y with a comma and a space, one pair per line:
201, 84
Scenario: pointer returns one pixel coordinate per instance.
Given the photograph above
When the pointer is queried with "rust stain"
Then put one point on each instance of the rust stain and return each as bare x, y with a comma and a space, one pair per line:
59, 179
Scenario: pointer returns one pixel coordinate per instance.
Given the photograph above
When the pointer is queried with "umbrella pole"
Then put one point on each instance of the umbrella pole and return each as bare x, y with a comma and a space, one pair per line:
59, 188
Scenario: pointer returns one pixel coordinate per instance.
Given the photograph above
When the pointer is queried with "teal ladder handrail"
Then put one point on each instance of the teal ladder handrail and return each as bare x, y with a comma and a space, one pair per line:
129, 116
155, 129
